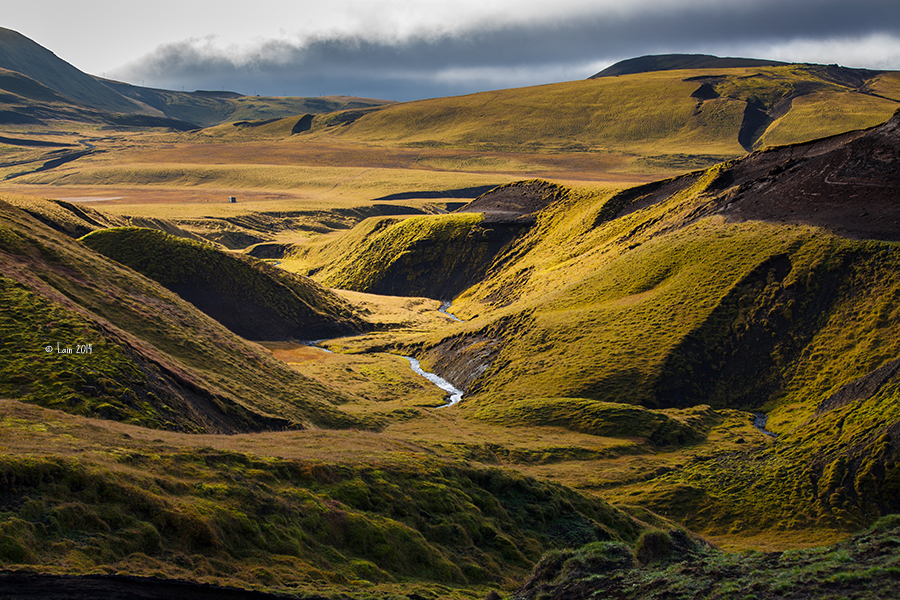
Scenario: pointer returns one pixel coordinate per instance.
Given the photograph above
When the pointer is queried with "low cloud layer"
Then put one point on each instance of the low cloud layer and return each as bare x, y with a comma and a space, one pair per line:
441, 61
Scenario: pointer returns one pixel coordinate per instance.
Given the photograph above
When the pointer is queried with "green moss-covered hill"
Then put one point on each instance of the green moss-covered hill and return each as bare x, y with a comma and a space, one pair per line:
766, 284
709, 288
84, 334
253, 299
430, 255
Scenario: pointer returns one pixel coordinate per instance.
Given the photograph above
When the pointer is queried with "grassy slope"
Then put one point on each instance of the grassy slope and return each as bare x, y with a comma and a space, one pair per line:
647, 113
249, 297
630, 287
298, 511
572, 116
665, 306
156, 361
436, 255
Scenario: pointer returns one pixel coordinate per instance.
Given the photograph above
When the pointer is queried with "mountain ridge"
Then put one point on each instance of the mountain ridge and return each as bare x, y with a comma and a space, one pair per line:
671, 62
22, 55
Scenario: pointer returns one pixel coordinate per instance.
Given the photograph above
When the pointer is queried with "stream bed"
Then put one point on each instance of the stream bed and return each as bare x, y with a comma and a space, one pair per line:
455, 393
759, 421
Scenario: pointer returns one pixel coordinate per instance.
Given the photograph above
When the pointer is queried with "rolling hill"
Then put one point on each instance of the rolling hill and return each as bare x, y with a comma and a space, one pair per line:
249, 297
764, 284
695, 112
714, 349
146, 356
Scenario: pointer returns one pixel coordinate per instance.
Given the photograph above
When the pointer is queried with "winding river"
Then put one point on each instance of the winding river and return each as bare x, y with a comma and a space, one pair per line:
455, 393
445, 307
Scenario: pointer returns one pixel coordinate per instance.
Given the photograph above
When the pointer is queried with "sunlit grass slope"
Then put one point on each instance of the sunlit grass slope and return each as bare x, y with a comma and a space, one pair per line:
437, 255
755, 316
578, 115
253, 299
656, 297
657, 113
154, 359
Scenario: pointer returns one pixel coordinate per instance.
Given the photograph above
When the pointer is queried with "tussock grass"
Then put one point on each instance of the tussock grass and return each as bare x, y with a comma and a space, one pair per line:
865, 566
256, 520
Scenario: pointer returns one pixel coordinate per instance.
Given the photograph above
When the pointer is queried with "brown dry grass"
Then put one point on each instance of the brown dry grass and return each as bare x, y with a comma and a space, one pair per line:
128, 174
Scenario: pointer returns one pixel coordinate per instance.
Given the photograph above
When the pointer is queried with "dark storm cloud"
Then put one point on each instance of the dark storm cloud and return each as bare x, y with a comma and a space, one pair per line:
498, 55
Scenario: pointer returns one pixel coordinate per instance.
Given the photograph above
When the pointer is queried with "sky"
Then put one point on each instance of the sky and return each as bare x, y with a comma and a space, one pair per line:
413, 49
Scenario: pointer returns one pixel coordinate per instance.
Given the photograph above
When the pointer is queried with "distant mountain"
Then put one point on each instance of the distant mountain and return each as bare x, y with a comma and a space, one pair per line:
19, 53
671, 62
46, 87
208, 108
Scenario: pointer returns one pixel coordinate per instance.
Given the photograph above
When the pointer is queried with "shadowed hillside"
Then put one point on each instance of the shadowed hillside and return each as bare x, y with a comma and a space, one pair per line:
251, 298
18, 53
122, 347
672, 62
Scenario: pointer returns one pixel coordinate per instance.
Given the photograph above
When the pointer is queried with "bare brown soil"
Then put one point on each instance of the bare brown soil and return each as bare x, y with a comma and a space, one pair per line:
514, 201
849, 184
